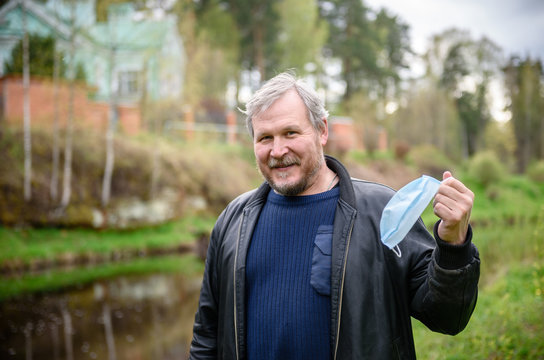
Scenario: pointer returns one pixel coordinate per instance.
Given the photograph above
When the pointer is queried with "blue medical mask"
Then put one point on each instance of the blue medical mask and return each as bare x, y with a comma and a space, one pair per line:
405, 207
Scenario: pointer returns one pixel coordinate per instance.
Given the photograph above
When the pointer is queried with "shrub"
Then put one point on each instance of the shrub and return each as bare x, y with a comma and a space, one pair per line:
535, 172
430, 160
486, 168
402, 148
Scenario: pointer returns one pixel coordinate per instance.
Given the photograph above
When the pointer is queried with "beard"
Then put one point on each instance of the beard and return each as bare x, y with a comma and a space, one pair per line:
292, 189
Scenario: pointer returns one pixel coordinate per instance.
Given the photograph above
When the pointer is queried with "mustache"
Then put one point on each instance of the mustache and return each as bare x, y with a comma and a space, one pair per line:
283, 162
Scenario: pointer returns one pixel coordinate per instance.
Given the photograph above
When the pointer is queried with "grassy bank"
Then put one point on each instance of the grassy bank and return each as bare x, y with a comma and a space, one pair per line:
56, 279
507, 322
26, 245
59, 249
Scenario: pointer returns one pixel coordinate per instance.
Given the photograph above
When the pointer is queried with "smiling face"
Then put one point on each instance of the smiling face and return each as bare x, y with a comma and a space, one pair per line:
288, 149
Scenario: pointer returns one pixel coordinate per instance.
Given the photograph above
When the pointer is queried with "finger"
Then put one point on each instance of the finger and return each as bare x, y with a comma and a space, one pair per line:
449, 215
452, 208
446, 175
454, 185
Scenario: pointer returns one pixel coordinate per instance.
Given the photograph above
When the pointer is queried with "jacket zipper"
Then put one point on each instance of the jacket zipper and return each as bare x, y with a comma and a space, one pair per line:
342, 290
234, 282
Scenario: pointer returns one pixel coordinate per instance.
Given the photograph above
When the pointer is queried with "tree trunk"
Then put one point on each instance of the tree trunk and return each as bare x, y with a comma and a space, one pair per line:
112, 120
67, 177
53, 185
258, 43
26, 113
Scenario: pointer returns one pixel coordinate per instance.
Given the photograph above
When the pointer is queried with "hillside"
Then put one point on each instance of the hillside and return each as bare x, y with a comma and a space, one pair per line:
189, 177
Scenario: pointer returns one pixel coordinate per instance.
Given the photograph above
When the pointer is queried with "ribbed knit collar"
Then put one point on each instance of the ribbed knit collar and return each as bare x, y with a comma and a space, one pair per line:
302, 199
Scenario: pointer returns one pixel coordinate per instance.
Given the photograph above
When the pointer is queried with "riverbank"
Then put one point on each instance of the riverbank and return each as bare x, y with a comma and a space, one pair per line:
35, 250
45, 259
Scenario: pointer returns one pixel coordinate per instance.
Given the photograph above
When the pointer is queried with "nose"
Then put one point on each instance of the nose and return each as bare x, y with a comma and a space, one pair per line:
278, 148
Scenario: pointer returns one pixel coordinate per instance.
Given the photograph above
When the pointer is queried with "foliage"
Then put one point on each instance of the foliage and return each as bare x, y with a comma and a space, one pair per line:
506, 323
431, 161
473, 116
362, 110
515, 200
524, 85
41, 59
402, 148
257, 24
429, 116
536, 171
131, 179
370, 46
499, 138
302, 34
463, 67
212, 43
486, 168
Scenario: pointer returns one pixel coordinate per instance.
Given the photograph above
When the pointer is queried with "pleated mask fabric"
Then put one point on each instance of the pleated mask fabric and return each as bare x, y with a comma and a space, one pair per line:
404, 208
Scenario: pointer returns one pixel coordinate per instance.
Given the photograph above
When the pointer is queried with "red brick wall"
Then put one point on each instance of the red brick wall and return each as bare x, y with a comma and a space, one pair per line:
42, 106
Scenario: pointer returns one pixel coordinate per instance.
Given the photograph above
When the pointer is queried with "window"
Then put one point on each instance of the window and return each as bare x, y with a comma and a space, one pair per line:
129, 83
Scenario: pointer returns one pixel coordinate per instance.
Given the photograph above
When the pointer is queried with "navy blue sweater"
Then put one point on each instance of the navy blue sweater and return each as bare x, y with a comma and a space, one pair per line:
288, 298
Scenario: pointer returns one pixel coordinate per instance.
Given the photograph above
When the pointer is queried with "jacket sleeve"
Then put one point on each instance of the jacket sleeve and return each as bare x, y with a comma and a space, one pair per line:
204, 342
447, 288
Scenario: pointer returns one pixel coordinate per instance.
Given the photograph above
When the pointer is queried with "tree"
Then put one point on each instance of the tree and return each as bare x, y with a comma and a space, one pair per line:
41, 59
302, 34
41, 56
371, 46
26, 111
257, 24
71, 74
463, 68
112, 118
55, 152
429, 116
524, 83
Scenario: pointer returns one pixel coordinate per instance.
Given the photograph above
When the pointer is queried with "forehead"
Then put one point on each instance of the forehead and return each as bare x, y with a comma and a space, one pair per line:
289, 106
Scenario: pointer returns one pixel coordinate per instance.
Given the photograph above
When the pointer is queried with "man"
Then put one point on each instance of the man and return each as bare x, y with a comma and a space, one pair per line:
296, 270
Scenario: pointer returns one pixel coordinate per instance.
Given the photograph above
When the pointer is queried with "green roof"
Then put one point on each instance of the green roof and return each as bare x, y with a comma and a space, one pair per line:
132, 35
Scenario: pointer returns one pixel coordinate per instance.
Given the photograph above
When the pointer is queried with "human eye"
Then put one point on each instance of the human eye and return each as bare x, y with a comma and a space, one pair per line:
264, 138
291, 133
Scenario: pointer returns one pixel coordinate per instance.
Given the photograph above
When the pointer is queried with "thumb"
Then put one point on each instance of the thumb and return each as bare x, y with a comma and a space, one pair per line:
447, 174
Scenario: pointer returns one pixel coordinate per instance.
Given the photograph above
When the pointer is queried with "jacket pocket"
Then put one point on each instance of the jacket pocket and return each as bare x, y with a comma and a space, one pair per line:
321, 260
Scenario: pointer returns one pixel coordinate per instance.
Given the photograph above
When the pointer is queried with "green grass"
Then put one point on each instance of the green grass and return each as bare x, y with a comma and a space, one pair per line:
28, 244
506, 324
508, 320
61, 279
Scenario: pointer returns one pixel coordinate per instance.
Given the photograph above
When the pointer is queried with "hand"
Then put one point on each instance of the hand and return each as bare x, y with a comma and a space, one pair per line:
453, 204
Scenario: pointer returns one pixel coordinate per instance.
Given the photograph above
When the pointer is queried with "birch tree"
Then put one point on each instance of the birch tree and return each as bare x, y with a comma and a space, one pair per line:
53, 185
67, 176
26, 111
112, 122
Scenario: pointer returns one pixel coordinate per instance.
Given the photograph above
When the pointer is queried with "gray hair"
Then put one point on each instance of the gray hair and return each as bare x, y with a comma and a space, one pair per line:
274, 88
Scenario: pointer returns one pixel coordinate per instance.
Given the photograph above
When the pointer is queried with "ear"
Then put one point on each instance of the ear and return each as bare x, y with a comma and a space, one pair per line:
324, 132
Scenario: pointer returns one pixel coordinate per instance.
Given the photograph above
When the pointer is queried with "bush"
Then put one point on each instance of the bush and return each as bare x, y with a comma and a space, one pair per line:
535, 172
430, 160
486, 168
402, 148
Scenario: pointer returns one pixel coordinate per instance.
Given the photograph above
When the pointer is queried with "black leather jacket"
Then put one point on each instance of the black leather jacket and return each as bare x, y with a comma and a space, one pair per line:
373, 292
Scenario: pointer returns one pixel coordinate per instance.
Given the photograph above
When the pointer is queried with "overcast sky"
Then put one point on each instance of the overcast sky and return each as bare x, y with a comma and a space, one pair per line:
517, 26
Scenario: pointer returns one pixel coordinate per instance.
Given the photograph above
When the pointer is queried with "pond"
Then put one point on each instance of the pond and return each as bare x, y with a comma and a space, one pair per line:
127, 317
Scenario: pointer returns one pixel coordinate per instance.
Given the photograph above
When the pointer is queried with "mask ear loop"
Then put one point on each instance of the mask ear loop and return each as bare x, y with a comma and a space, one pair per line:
396, 250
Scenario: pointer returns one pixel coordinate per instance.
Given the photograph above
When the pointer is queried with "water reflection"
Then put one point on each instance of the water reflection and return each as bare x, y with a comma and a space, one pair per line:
147, 317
